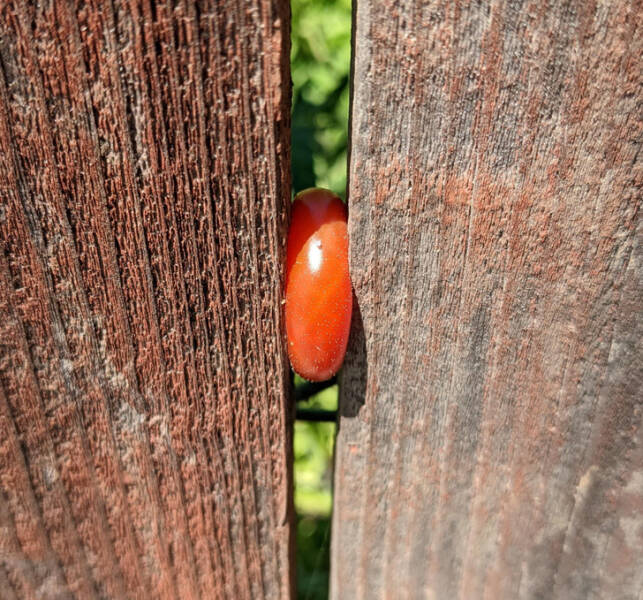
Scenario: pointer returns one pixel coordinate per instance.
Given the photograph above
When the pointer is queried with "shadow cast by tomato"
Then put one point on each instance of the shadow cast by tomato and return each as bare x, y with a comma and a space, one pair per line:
354, 373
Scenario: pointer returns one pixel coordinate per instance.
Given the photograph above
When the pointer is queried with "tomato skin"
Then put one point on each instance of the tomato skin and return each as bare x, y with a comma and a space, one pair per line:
319, 296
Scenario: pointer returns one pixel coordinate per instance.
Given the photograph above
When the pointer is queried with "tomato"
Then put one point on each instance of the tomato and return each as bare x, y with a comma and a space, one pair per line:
319, 296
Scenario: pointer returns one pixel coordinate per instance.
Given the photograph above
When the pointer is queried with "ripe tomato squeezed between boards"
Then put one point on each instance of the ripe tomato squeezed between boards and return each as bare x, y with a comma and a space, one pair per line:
318, 289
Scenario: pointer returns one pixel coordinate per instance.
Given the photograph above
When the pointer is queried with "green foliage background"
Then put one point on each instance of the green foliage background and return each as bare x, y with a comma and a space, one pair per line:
320, 65
313, 448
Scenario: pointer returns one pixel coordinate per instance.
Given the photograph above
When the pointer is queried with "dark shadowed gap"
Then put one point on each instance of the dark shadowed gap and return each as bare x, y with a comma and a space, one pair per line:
320, 65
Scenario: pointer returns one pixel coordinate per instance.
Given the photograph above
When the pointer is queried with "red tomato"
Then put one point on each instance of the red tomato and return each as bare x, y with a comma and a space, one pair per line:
319, 297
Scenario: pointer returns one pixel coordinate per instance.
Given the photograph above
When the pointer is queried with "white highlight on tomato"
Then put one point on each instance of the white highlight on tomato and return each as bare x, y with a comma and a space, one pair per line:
315, 256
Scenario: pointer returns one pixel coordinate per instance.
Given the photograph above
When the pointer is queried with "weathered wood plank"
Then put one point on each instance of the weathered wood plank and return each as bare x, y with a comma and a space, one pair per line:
144, 193
490, 430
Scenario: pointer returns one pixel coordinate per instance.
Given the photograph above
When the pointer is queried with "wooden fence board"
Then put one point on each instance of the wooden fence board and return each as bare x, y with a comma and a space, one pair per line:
489, 439
144, 192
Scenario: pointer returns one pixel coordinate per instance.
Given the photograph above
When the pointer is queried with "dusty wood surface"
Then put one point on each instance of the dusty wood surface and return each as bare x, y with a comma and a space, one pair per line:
144, 187
490, 432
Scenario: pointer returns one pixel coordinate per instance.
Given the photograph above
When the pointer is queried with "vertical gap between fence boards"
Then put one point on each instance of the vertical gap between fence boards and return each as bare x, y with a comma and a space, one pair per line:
320, 71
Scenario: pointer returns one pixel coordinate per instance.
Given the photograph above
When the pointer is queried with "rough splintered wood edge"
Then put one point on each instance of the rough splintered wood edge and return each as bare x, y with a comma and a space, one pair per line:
489, 440
144, 387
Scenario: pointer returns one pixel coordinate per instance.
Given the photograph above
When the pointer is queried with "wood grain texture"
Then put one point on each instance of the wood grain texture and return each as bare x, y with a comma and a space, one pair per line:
490, 414
144, 189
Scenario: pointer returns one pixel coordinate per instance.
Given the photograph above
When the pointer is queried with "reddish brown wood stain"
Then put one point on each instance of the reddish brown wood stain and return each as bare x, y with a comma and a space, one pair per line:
490, 434
144, 188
